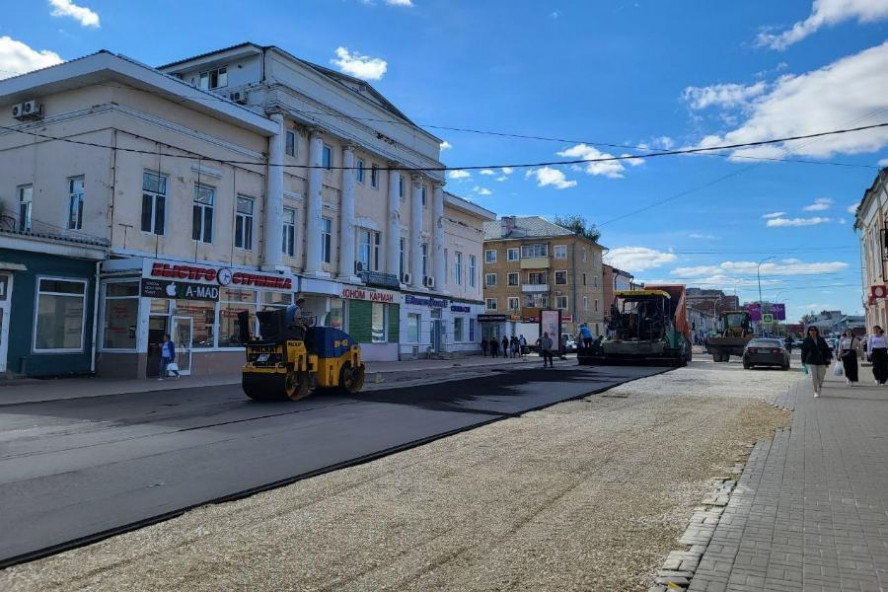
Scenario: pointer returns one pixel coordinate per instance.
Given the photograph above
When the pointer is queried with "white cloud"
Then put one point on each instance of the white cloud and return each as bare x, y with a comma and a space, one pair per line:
488, 172
852, 209
457, 175
554, 15
549, 176
820, 204
482, 191
612, 169
507, 170
17, 58
722, 95
883, 162
773, 215
730, 269
634, 259
359, 66
782, 222
400, 3
699, 236
81, 14
697, 271
664, 142
826, 13
445, 145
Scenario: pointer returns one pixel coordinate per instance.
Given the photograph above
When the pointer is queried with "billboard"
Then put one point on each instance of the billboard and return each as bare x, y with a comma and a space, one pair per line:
755, 312
778, 311
550, 322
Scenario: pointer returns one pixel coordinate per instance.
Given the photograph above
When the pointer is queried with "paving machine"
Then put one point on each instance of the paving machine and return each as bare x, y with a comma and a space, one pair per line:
288, 360
646, 327
732, 339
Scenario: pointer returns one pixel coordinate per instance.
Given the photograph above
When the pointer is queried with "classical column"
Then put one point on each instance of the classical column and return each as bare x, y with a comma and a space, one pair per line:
347, 215
416, 233
393, 232
438, 221
272, 246
313, 203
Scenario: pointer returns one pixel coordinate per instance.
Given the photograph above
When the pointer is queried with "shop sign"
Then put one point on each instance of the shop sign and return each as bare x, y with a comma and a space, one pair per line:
352, 293
460, 308
219, 276
492, 318
420, 301
4, 286
567, 318
178, 290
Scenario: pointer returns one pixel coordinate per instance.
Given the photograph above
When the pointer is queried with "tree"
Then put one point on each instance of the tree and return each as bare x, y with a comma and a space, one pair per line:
578, 225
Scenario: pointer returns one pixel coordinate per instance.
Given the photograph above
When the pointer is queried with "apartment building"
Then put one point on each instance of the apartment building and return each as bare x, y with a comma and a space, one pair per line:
871, 222
531, 264
226, 182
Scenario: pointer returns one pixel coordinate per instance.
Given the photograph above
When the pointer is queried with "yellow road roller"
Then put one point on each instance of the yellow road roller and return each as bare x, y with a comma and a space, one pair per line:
288, 361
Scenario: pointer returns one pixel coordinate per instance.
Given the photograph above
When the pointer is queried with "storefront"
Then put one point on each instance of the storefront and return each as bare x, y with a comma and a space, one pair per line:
495, 326
371, 317
466, 330
195, 303
425, 330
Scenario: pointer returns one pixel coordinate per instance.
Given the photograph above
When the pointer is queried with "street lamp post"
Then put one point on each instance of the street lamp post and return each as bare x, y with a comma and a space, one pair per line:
758, 273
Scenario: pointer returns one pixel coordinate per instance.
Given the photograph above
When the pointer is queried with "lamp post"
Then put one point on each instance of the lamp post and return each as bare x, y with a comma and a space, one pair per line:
758, 273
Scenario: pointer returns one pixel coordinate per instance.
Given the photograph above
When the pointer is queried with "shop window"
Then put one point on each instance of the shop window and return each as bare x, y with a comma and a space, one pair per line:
75, 203
336, 315
458, 328
560, 278
26, 202
202, 221
61, 315
377, 322
289, 246
121, 315
326, 240
154, 188
243, 223
231, 302
203, 316
271, 300
413, 326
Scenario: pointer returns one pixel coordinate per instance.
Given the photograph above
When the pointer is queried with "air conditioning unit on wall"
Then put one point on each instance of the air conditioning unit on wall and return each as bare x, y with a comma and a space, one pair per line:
406, 278
429, 281
27, 110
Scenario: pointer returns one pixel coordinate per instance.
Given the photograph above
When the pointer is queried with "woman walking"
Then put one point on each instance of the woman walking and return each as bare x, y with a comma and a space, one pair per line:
816, 355
848, 352
877, 347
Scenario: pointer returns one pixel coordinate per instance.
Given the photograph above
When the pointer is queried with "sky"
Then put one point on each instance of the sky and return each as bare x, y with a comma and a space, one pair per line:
510, 84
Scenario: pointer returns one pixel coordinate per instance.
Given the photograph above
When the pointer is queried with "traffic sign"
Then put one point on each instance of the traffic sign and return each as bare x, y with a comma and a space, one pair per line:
767, 318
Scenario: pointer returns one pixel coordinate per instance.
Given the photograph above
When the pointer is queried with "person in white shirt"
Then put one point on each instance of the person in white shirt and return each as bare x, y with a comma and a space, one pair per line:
877, 347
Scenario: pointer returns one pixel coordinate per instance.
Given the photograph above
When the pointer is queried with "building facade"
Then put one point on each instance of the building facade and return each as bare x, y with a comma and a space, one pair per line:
531, 264
871, 222
231, 182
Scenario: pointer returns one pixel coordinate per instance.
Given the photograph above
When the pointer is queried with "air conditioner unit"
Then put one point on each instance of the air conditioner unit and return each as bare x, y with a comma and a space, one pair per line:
17, 111
429, 281
406, 278
558, 292
239, 97
359, 267
31, 110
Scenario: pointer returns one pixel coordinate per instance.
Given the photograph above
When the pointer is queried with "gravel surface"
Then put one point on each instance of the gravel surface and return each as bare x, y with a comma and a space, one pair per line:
585, 495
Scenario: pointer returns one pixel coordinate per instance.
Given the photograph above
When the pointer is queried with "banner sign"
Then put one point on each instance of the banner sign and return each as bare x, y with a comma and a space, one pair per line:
421, 301
178, 290
779, 311
218, 276
755, 312
353, 293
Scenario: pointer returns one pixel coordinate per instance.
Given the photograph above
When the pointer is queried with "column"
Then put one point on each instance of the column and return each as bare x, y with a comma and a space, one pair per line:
416, 233
347, 215
438, 220
393, 232
272, 246
313, 203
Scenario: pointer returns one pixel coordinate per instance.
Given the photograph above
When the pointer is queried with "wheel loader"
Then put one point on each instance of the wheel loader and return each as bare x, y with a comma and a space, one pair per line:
733, 337
288, 360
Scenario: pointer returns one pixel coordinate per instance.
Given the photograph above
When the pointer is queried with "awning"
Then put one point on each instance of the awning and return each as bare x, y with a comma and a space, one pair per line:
12, 266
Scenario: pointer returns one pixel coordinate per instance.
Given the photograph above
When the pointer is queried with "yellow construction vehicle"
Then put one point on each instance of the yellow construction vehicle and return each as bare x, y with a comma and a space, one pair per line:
288, 360
732, 339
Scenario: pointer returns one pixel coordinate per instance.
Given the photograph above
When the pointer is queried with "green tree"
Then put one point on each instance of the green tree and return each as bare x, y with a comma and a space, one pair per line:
578, 225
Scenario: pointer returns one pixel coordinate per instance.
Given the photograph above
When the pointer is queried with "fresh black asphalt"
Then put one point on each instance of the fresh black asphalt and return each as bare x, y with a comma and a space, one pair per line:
76, 470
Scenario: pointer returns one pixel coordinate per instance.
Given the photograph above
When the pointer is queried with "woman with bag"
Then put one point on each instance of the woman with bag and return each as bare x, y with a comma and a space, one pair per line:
816, 356
877, 346
848, 352
168, 358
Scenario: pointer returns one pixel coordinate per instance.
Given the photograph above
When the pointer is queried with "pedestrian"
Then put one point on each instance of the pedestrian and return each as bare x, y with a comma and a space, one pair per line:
494, 346
505, 346
848, 352
546, 346
522, 346
513, 345
484, 347
877, 347
587, 336
816, 355
788, 343
167, 357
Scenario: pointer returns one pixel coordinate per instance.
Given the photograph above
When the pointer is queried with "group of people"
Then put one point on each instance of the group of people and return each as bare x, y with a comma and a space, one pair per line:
509, 347
817, 356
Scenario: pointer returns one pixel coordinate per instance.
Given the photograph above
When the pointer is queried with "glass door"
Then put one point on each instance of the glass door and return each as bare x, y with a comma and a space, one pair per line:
182, 335
5, 302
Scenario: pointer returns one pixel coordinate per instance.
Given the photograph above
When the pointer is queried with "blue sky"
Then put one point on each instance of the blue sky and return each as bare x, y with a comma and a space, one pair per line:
649, 74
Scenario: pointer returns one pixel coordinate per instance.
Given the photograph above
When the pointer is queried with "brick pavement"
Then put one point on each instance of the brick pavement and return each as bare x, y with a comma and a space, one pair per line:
810, 511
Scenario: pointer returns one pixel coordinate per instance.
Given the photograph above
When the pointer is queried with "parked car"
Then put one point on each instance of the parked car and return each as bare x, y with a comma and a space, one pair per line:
765, 352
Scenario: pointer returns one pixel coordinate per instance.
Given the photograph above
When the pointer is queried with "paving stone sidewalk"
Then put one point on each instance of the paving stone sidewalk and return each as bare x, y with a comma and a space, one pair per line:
810, 511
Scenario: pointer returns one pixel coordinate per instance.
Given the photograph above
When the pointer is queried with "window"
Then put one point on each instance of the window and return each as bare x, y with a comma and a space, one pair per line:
413, 327
359, 170
596, 304
536, 278
289, 246
290, 143
368, 249
490, 279
560, 278
403, 245
536, 250
585, 303
513, 278
513, 303
425, 259
121, 315
446, 259
512, 254
595, 281
457, 268
326, 240
583, 257
584, 278
154, 188
423, 195
211, 79
374, 176
61, 314
472, 270
26, 198
75, 203
561, 251
561, 302
327, 157
202, 219
243, 223
377, 322
490, 256
458, 328
491, 303
231, 302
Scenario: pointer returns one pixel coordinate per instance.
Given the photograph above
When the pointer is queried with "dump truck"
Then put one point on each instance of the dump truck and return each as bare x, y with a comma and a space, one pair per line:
288, 360
735, 333
645, 327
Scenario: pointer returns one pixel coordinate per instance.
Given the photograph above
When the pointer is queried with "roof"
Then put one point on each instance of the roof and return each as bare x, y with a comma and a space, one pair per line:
467, 206
525, 227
